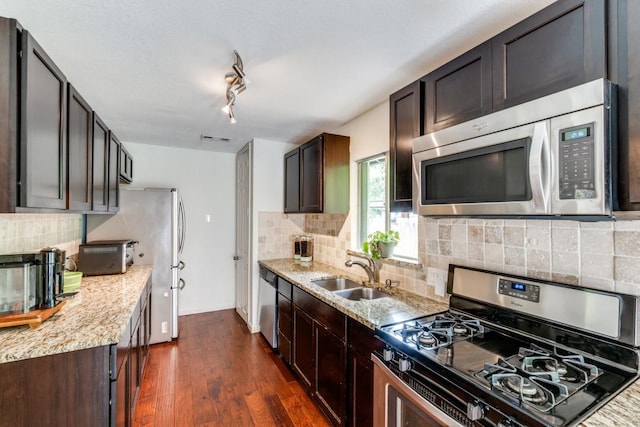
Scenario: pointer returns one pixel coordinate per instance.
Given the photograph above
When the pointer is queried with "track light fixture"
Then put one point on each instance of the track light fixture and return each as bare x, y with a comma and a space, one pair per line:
236, 83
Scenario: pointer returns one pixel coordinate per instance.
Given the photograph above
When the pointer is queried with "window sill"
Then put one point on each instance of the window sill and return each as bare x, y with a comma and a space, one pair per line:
408, 263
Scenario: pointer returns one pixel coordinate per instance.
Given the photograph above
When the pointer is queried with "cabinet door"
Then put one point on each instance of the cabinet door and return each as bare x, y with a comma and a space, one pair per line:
304, 347
360, 389
311, 175
100, 160
113, 175
292, 181
135, 369
624, 63
459, 90
80, 142
331, 368
9, 115
561, 46
126, 165
122, 408
43, 129
405, 124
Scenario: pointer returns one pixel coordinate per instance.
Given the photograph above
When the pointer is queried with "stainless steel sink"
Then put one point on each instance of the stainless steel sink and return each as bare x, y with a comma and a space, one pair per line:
337, 284
361, 293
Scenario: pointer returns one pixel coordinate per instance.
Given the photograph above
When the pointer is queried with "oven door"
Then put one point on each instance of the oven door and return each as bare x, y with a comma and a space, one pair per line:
503, 173
397, 405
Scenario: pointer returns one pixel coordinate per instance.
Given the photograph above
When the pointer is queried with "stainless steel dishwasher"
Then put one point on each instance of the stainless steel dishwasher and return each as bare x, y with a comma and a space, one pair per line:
267, 298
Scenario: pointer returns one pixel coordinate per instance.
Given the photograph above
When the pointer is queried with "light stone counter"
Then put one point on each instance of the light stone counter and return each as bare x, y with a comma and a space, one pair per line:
622, 411
399, 306
96, 316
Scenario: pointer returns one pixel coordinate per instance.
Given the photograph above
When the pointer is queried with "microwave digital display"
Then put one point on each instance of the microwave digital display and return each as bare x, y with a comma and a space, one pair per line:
576, 134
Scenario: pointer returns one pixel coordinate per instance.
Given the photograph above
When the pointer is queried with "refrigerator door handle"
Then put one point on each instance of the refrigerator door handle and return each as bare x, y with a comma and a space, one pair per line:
180, 265
182, 225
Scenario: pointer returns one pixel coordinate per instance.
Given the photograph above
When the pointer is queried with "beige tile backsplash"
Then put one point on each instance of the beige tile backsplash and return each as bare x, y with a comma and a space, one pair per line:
600, 255
31, 232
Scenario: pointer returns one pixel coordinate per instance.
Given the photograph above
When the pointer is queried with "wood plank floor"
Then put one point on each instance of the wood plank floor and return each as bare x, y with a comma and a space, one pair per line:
218, 374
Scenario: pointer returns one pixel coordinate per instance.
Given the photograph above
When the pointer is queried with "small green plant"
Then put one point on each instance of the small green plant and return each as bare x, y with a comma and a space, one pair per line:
376, 240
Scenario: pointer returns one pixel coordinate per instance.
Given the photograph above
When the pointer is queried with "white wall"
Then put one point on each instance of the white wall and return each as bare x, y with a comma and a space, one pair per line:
267, 196
369, 135
206, 182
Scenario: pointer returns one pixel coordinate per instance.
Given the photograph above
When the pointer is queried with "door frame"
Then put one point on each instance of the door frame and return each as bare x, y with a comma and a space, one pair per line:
248, 226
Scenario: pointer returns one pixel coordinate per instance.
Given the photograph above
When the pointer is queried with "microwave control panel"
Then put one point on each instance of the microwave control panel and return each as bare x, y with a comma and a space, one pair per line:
525, 291
577, 163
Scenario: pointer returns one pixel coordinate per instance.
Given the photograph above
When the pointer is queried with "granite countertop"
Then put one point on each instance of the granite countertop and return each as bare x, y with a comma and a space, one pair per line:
96, 316
399, 306
620, 412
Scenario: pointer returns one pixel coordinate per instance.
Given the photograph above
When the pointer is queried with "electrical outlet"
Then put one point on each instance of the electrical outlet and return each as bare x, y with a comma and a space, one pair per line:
164, 327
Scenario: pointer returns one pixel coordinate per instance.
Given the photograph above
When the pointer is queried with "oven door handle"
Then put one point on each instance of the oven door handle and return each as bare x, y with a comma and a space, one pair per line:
540, 167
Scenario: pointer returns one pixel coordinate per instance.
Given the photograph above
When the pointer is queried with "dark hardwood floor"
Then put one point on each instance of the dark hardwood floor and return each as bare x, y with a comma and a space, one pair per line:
218, 374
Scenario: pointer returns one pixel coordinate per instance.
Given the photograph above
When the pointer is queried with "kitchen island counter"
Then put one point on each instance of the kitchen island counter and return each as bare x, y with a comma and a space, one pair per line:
96, 316
398, 306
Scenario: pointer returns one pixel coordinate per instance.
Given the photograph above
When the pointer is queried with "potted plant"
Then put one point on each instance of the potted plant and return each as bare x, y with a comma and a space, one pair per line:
380, 244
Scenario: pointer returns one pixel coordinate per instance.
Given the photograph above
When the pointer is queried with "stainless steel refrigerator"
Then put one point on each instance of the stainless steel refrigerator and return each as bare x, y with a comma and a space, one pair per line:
155, 217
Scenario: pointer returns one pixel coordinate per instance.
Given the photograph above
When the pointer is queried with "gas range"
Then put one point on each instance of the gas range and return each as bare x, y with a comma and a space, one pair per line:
484, 363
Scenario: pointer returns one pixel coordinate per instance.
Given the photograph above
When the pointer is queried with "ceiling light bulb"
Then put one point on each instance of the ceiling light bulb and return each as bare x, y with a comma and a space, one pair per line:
232, 120
225, 109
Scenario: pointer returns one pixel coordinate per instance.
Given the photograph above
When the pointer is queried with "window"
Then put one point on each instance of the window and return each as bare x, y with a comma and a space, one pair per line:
374, 212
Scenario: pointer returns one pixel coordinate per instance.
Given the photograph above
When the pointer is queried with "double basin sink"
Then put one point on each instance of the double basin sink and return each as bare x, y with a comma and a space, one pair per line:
349, 289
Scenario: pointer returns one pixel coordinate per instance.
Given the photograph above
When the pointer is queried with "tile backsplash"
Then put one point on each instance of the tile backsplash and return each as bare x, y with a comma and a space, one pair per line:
31, 232
599, 255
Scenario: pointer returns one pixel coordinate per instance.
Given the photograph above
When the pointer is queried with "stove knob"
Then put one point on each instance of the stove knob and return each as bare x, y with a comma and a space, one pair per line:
404, 364
475, 411
387, 354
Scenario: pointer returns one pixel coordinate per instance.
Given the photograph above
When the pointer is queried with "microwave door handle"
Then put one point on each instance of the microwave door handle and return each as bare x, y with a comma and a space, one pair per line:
539, 167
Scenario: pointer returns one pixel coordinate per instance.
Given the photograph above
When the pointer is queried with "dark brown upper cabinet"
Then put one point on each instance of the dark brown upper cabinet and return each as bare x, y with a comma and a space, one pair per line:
561, 46
43, 148
292, 181
113, 175
100, 163
321, 179
80, 143
459, 90
624, 63
126, 166
311, 175
405, 124
54, 150
9, 115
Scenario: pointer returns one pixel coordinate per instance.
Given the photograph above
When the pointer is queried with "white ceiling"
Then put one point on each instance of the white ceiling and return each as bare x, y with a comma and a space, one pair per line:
154, 69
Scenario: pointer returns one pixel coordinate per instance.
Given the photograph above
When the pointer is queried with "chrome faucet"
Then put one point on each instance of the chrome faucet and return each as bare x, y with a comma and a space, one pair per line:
371, 267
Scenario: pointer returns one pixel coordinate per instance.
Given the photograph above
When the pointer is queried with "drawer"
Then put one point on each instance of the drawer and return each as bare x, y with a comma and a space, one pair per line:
361, 338
284, 287
284, 305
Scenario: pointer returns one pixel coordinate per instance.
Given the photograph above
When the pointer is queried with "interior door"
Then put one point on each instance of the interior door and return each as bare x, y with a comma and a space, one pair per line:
243, 227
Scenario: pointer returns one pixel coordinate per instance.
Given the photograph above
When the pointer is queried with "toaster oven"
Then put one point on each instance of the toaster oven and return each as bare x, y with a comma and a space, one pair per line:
105, 257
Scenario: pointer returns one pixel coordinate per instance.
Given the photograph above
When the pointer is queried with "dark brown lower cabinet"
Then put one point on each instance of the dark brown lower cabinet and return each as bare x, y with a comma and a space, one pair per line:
332, 357
331, 384
362, 343
284, 327
320, 353
304, 347
360, 389
67, 389
91, 387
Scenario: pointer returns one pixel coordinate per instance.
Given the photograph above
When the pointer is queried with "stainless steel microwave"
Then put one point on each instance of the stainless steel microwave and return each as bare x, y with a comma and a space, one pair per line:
548, 157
